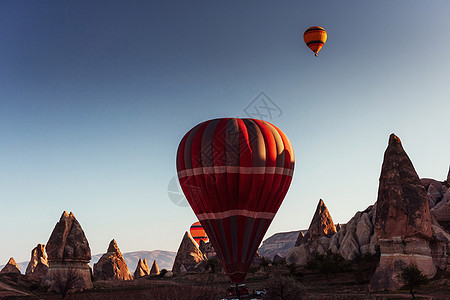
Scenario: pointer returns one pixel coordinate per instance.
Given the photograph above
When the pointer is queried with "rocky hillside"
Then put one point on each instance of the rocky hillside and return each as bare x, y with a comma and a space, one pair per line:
409, 223
279, 243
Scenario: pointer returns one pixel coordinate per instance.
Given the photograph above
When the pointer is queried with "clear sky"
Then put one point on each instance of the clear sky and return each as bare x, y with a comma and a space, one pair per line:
96, 95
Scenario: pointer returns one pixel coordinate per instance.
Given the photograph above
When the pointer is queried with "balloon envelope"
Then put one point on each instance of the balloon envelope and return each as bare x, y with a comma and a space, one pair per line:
315, 37
198, 233
235, 174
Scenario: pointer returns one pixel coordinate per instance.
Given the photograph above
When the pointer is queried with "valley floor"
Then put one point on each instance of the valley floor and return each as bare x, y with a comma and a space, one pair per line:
308, 285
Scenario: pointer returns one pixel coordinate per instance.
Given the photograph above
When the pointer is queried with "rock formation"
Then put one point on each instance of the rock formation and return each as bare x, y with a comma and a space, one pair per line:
279, 244
257, 259
207, 249
448, 176
112, 265
10, 267
142, 269
188, 255
402, 220
321, 225
438, 193
155, 269
165, 258
277, 258
38, 265
356, 237
316, 239
68, 255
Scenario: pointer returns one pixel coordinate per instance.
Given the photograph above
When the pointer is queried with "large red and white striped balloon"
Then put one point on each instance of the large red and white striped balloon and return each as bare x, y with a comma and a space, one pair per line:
235, 174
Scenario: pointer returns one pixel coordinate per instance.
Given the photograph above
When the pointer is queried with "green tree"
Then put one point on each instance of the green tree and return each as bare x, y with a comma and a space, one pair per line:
412, 278
328, 263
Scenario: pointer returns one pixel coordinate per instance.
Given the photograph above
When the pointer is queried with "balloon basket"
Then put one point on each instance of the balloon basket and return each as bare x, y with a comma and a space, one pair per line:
239, 291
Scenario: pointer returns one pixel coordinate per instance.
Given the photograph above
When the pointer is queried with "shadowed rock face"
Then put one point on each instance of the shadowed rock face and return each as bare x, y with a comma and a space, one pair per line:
402, 220
38, 265
207, 249
402, 206
321, 225
112, 265
10, 267
68, 241
438, 193
68, 255
188, 255
142, 269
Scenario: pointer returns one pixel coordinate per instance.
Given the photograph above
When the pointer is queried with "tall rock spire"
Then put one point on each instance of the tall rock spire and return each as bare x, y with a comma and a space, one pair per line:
402, 205
402, 220
68, 254
38, 265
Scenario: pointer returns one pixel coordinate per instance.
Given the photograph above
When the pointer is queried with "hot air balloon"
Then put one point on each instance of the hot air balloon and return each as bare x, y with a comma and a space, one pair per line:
198, 233
235, 174
315, 37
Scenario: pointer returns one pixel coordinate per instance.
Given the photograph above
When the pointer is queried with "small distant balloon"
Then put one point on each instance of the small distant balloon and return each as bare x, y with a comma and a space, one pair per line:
198, 233
315, 37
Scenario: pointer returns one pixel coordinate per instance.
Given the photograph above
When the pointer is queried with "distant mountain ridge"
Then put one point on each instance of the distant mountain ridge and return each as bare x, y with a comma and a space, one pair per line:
164, 258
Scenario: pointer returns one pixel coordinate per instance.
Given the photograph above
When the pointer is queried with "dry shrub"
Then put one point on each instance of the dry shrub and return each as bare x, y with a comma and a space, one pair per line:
284, 287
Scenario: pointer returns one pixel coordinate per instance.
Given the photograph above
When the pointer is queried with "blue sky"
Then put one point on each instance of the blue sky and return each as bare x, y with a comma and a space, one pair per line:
95, 97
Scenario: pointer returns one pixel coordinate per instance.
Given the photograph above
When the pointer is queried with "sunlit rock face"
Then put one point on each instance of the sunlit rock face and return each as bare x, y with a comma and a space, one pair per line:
402, 220
112, 265
155, 269
321, 225
188, 255
142, 269
356, 237
38, 265
316, 239
10, 267
68, 254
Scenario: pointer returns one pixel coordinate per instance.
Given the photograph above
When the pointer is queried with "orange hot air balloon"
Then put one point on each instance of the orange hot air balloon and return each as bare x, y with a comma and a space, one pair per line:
315, 37
198, 233
235, 174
